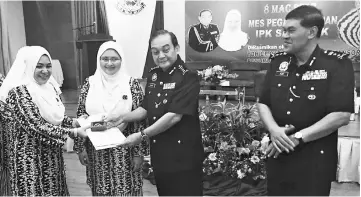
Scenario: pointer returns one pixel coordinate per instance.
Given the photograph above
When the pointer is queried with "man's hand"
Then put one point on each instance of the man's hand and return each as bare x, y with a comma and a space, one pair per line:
280, 139
272, 151
83, 158
113, 122
132, 140
137, 162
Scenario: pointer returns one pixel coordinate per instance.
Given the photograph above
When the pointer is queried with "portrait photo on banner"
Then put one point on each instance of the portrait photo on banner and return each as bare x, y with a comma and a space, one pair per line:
249, 31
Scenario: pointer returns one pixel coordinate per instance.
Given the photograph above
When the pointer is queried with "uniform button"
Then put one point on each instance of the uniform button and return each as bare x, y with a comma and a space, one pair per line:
321, 152
161, 83
158, 94
179, 141
291, 99
279, 85
154, 118
166, 94
154, 141
312, 88
294, 87
297, 75
156, 106
149, 92
288, 112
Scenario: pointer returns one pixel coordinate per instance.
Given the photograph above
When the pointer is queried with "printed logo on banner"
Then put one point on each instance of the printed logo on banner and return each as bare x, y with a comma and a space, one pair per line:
130, 6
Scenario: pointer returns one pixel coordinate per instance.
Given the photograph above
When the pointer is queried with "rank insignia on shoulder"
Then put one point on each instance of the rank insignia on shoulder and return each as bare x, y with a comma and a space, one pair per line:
337, 54
184, 70
153, 68
274, 55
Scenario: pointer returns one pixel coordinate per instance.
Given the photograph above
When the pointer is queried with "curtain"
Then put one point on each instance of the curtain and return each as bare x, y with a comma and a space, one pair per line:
102, 18
5, 53
85, 15
158, 24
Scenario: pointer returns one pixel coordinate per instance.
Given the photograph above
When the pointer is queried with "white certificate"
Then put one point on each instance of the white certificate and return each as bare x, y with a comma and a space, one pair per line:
102, 139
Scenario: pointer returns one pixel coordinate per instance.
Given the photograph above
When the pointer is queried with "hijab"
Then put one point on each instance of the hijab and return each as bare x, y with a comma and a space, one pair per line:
16, 74
232, 39
109, 95
45, 96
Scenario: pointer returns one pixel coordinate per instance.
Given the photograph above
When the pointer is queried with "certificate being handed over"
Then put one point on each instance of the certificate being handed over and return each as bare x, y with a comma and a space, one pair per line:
102, 139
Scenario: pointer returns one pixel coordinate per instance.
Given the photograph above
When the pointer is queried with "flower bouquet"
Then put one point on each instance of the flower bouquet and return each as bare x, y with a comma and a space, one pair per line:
216, 73
234, 139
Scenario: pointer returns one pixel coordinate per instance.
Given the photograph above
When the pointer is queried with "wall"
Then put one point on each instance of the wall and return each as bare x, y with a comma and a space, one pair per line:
174, 20
49, 24
132, 32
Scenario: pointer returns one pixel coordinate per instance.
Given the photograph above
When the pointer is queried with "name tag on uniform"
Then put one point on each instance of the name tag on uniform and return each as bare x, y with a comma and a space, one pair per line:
151, 85
213, 32
314, 75
169, 86
282, 74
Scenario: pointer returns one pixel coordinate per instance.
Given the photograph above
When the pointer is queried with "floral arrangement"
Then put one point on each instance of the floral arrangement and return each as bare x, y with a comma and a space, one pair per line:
234, 139
216, 73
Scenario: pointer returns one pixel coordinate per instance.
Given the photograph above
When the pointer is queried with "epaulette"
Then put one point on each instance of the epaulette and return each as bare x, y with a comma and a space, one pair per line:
153, 68
336, 54
274, 55
183, 69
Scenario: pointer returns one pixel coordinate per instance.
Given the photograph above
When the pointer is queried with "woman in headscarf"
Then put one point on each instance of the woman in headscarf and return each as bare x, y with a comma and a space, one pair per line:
40, 129
233, 38
6, 121
110, 91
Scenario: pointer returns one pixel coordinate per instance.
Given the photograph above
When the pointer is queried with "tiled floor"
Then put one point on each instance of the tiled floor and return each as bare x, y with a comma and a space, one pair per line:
76, 172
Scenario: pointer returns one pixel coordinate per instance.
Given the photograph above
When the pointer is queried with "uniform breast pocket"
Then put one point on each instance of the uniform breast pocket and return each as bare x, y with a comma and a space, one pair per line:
279, 90
314, 92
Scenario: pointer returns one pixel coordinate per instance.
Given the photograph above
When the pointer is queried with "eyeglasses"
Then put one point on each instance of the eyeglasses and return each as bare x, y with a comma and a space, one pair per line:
113, 60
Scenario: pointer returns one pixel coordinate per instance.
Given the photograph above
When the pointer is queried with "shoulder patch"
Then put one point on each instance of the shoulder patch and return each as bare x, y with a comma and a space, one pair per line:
336, 54
152, 69
183, 69
274, 55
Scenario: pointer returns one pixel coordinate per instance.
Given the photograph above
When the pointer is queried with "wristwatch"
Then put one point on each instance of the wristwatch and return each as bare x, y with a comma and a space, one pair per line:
144, 136
298, 136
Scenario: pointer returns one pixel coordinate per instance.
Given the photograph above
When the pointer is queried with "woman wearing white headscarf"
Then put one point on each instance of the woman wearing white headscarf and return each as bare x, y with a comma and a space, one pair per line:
40, 129
233, 38
111, 92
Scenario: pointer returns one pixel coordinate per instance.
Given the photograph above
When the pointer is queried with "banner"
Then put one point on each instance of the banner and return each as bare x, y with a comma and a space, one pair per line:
250, 30
130, 24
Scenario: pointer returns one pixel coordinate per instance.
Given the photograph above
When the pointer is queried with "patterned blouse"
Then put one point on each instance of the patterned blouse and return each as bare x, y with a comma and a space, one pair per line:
109, 171
36, 161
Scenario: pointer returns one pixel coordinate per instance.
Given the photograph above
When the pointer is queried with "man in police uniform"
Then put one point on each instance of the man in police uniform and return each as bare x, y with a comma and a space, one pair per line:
204, 36
171, 106
307, 96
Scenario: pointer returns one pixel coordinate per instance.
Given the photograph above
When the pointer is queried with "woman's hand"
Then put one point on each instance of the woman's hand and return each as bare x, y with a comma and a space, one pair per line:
75, 120
137, 162
83, 158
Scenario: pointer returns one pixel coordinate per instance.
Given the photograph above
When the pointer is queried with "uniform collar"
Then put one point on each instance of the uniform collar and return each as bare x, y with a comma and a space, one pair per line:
315, 54
203, 26
172, 68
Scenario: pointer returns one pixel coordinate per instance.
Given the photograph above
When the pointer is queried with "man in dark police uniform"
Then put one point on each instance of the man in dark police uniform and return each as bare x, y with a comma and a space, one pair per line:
171, 106
307, 96
204, 36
